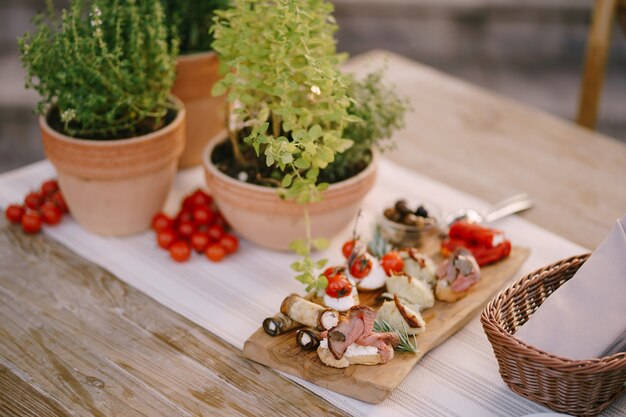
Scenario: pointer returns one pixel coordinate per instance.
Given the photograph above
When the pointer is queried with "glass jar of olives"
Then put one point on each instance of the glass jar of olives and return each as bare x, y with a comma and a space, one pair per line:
405, 224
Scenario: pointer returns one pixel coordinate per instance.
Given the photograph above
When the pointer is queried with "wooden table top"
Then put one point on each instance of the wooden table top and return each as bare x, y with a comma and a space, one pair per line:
75, 340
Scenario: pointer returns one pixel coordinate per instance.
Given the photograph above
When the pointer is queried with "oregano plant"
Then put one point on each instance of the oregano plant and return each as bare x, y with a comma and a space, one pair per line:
290, 106
104, 67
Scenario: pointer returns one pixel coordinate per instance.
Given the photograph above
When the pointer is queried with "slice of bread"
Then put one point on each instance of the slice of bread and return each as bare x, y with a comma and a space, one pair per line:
401, 317
415, 292
348, 358
445, 293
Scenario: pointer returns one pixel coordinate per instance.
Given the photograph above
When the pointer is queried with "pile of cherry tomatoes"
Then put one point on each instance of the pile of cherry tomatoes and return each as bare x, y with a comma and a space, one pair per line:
46, 205
198, 225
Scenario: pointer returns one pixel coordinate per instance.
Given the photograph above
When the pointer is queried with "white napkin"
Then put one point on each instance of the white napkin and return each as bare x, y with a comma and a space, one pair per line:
586, 317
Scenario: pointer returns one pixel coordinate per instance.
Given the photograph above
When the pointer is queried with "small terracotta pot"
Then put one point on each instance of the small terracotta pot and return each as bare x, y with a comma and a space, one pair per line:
260, 216
195, 76
114, 187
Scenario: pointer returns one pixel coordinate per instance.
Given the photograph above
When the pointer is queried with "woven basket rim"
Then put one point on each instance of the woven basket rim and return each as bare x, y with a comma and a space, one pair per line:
577, 365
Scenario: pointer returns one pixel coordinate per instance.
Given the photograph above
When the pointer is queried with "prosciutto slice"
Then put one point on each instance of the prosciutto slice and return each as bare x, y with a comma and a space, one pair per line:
357, 327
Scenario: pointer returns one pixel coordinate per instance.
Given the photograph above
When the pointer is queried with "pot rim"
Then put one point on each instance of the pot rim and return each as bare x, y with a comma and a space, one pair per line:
180, 115
208, 164
198, 55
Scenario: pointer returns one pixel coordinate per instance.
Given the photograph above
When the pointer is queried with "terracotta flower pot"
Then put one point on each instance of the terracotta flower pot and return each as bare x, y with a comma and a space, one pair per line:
114, 187
195, 76
260, 216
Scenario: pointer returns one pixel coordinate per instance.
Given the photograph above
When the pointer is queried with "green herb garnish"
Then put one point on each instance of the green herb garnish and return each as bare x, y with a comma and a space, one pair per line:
406, 344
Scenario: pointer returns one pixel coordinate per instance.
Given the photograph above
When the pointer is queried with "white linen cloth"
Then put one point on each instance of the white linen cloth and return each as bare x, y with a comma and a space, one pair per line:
585, 318
458, 379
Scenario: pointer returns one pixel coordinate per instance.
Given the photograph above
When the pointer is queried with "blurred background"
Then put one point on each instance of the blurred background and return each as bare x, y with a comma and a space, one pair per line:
530, 50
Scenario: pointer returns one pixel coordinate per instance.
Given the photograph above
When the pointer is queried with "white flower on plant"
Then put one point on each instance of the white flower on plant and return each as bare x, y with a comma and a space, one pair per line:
96, 22
316, 90
68, 115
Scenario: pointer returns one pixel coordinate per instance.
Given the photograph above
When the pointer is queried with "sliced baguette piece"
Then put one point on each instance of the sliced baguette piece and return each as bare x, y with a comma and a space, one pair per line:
401, 317
414, 291
348, 358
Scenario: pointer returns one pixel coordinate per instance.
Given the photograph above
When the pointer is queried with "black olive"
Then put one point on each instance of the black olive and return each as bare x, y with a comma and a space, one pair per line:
421, 211
402, 207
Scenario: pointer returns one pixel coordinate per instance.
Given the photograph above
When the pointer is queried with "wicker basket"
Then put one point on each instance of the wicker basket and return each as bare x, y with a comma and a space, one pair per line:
578, 387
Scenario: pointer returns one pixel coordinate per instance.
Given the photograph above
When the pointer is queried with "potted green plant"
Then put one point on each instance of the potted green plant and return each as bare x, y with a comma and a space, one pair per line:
197, 69
104, 70
289, 167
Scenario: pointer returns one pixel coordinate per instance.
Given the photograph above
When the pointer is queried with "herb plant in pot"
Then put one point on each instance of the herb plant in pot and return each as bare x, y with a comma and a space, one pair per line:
110, 127
288, 167
197, 70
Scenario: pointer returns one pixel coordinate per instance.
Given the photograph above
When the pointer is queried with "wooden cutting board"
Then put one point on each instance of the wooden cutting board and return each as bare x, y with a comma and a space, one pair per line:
373, 384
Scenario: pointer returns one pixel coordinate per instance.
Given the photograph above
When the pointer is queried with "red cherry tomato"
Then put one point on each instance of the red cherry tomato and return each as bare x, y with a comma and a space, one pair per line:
185, 229
202, 215
200, 241
50, 213
49, 187
180, 251
58, 199
347, 248
14, 213
31, 221
165, 238
216, 232
361, 267
200, 198
33, 200
230, 243
215, 252
392, 263
161, 222
184, 216
219, 219
338, 286
333, 270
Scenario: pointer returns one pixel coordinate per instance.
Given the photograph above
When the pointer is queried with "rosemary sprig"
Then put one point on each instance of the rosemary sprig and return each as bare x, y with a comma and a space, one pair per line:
406, 344
378, 245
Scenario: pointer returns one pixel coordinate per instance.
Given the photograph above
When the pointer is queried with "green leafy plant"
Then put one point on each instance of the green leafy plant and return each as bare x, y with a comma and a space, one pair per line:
190, 22
103, 67
291, 109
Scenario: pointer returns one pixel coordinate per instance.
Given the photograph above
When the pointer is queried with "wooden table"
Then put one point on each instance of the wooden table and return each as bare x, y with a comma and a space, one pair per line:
76, 340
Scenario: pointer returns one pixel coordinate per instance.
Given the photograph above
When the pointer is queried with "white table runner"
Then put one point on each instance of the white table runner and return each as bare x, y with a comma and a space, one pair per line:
459, 378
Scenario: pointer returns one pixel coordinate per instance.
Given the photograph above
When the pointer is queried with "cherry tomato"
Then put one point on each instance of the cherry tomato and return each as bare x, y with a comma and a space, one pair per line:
347, 248
200, 241
14, 213
180, 251
392, 263
216, 232
230, 243
200, 198
185, 230
50, 213
33, 200
165, 238
31, 221
184, 216
219, 219
49, 187
333, 270
215, 252
202, 215
361, 267
338, 286
58, 199
161, 222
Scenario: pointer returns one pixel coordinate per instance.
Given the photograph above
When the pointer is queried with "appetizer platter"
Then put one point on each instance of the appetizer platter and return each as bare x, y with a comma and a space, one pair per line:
383, 307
